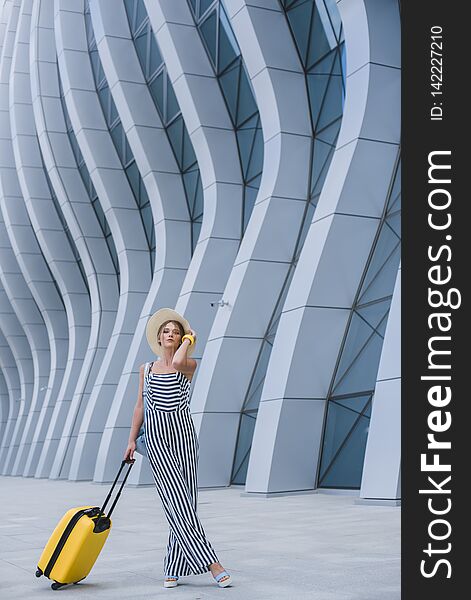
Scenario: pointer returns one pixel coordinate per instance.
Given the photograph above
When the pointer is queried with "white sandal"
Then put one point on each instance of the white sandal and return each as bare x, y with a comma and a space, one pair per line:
171, 581
224, 583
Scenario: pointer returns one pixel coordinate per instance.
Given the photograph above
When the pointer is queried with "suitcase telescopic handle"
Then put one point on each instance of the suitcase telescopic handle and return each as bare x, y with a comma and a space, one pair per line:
130, 462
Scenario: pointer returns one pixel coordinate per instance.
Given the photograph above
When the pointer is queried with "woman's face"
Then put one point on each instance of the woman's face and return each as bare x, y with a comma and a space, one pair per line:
170, 336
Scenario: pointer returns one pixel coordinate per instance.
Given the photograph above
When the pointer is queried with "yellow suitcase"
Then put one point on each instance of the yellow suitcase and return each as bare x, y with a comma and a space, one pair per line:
77, 540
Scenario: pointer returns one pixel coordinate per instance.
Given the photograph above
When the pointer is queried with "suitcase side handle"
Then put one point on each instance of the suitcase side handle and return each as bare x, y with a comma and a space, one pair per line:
130, 462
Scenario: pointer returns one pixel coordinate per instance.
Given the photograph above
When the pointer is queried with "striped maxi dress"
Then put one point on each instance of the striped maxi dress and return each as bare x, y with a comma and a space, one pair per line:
172, 448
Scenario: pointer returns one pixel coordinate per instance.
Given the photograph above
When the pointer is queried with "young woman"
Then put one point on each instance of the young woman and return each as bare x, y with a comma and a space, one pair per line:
172, 445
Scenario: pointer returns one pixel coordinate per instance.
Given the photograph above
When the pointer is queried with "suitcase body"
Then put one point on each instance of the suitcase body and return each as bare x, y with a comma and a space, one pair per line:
74, 545
77, 540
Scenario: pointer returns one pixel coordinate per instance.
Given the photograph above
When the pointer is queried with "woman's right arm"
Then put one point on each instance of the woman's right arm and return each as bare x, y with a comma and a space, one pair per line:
137, 418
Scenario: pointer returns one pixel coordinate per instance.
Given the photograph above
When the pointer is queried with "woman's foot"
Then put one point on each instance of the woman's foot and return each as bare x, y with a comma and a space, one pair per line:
216, 569
170, 581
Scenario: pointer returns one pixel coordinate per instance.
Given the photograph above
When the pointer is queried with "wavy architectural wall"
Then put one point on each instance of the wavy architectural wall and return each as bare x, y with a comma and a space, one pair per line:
235, 160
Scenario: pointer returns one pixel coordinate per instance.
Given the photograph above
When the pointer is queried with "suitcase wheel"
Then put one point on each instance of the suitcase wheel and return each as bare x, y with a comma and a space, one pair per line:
38, 572
56, 585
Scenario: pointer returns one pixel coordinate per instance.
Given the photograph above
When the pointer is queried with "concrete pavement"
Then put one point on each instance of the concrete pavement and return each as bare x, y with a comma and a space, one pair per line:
301, 547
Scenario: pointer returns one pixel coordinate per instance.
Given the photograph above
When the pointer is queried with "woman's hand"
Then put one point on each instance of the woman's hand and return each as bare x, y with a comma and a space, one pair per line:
193, 334
129, 454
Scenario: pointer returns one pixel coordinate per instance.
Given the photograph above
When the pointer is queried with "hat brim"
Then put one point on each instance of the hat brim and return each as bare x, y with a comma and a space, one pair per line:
153, 326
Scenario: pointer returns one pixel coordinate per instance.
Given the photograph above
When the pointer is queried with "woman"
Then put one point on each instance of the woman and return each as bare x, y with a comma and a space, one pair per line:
172, 446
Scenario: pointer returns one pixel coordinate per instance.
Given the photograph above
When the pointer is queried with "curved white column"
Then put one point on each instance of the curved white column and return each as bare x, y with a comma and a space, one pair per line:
34, 264
163, 180
10, 398
4, 15
90, 321
214, 141
268, 246
71, 332
21, 298
287, 438
381, 477
4, 398
15, 356
124, 220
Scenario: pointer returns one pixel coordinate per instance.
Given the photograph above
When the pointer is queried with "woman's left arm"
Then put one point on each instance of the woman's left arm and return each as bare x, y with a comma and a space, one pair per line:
181, 362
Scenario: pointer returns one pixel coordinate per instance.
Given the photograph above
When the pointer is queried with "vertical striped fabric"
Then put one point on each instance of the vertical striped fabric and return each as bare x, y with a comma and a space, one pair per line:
172, 447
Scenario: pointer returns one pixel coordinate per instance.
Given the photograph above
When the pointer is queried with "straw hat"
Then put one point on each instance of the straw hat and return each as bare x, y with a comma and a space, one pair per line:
153, 326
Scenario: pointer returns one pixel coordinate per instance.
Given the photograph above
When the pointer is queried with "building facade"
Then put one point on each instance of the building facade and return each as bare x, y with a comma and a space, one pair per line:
239, 161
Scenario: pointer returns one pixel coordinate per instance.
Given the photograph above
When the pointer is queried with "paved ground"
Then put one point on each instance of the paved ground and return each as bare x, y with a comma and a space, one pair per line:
303, 547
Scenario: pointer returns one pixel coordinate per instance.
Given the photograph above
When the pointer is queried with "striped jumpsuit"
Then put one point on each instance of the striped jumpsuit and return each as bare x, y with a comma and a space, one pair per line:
172, 448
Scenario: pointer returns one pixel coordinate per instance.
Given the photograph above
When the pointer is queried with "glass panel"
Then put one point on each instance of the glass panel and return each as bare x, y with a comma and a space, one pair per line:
103, 95
347, 468
385, 258
141, 43
374, 313
337, 66
113, 111
396, 190
339, 422
141, 13
147, 220
300, 18
172, 105
196, 229
75, 148
198, 204
311, 207
357, 337
175, 134
117, 135
157, 90
133, 178
204, 5
229, 82
334, 16
114, 254
128, 155
384, 279
155, 56
320, 167
208, 30
143, 196
249, 201
189, 158
330, 133
354, 403
190, 182
92, 193
394, 221
361, 374
88, 25
316, 85
320, 46
244, 442
228, 48
245, 139
256, 154
252, 400
246, 106
332, 106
